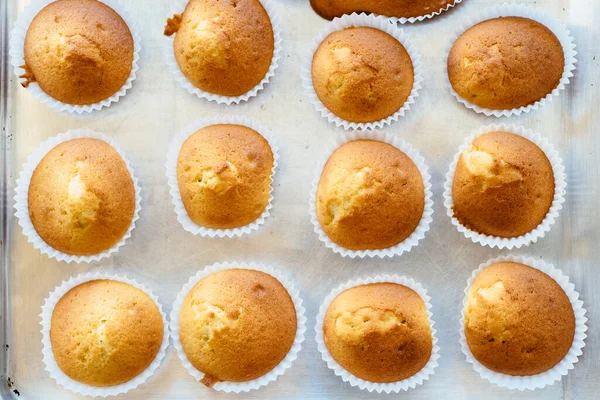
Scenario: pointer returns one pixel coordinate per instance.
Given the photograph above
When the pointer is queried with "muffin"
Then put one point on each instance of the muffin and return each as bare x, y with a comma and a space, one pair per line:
503, 185
505, 63
370, 196
223, 47
78, 51
379, 332
391, 8
105, 332
362, 74
224, 176
81, 197
518, 320
237, 325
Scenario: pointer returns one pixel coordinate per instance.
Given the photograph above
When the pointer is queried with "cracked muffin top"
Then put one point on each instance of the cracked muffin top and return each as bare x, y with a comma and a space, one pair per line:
362, 74
237, 325
78, 51
81, 197
518, 320
224, 175
223, 47
505, 63
105, 332
379, 332
370, 196
503, 185
391, 8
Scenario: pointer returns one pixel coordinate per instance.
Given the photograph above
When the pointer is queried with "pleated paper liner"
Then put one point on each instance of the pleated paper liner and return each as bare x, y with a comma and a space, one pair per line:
271, 376
358, 20
177, 7
394, 387
22, 189
171, 169
560, 184
17, 58
425, 222
519, 10
50, 362
556, 373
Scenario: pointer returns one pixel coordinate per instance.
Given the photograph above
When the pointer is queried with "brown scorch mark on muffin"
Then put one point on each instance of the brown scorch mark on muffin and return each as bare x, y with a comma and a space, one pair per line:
27, 75
172, 25
209, 380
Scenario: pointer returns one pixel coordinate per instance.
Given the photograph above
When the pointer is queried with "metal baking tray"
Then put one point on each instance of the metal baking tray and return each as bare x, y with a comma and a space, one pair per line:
163, 256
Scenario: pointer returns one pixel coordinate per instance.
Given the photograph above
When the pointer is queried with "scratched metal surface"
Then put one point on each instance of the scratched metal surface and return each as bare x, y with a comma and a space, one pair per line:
163, 256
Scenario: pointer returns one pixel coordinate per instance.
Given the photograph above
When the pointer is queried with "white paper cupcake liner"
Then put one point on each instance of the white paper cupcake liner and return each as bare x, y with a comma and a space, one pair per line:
567, 363
171, 168
419, 232
358, 20
22, 189
519, 10
395, 387
420, 18
53, 369
17, 58
238, 387
177, 7
560, 184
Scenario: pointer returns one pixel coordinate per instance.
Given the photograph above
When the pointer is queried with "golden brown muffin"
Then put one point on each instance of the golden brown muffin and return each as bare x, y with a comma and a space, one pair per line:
81, 197
223, 47
105, 332
379, 332
503, 185
224, 175
78, 51
237, 325
392, 8
518, 320
362, 74
370, 196
505, 63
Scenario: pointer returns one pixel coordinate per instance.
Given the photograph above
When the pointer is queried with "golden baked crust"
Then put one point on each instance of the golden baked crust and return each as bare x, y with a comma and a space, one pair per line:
105, 332
392, 8
379, 332
505, 63
503, 185
224, 175
237, 325
370, 196
81, 198
362, 74
224, 47
518, 320
79, 51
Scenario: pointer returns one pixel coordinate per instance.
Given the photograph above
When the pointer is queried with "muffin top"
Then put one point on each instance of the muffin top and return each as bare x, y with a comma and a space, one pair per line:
518, 320
362, 74
370, 196
505, 63
392, 8
78, 51
81, 197
224, 175
237, 325
503, 185
379, 332
223, 47
105, 332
